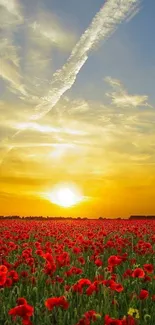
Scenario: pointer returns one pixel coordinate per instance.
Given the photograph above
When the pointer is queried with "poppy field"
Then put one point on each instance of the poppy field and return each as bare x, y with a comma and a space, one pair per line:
77, 272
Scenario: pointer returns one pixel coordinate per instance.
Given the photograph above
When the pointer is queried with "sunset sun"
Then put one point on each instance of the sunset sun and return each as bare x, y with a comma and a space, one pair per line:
65, 195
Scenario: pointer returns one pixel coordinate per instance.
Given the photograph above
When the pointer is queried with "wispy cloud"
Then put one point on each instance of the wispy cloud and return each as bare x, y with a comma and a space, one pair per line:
13, 8
8, 51
113, 82
48, 30
47, 128
10, 66
126, 100
9, 73
121, 98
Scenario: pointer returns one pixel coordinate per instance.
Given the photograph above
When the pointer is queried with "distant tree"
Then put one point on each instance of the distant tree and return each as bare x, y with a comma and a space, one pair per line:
137, 217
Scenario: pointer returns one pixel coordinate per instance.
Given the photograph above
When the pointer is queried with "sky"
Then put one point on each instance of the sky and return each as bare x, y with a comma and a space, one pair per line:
77, 106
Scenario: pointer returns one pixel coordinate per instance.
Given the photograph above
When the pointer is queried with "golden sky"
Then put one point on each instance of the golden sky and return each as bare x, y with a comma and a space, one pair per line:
87, 120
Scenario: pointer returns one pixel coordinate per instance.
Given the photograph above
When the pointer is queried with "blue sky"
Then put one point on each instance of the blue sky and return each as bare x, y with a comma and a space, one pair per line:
82, 98
128, 55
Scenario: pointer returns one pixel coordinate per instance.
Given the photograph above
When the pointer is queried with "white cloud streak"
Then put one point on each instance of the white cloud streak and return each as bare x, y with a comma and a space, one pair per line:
103, 25
10, 66
47, 129
8, 72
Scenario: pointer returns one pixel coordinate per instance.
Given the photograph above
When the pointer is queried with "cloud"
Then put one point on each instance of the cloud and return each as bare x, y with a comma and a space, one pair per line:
126, 100
48, 30
113, 82
37, 56
10, 66
9, 73
47, 128
12, 6
8, 51
102, 26
10, 15
121, 98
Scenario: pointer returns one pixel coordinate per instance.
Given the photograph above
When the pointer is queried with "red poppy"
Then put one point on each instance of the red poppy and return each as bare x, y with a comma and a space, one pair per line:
3, 269
117, 287
129, 320
84, 282
147, 278
8, 283
21, 301
127, 273
76, 250
148, 268
143, 294
111, 321
81, 260
153, 297
24, 311
14, 275
114, 260
89, 316
138, 273
61, 301
98, 262
92, 288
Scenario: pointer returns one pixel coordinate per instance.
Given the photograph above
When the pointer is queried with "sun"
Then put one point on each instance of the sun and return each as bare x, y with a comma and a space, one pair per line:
65, 195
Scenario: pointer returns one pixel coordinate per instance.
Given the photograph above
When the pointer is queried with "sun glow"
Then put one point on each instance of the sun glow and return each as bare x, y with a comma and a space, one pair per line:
65, 195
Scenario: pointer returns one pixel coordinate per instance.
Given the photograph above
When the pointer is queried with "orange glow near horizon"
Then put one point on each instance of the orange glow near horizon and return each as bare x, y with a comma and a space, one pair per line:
64, 195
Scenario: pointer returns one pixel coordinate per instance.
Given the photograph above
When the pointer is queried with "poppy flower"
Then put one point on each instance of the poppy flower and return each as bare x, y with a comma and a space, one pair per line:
89, 316
24, 311
8, 283
3, 269
84, 282
21, 301
81, 260
14, 275
117, 287
61, 301
129, 320
114, 260
147, 278
98, 262
127, 273
2, 278
138, 273
143, 294
111, 321
92, 288
148, 268
153, 297
76, 250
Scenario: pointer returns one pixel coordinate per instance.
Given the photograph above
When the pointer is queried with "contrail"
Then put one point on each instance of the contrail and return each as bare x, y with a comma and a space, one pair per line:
102, 27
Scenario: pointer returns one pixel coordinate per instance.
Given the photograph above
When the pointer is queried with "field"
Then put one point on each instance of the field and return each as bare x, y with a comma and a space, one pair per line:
77, 272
